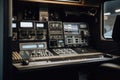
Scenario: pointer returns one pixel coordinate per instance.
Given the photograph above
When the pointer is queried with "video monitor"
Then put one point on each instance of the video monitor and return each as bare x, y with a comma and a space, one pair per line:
26, 24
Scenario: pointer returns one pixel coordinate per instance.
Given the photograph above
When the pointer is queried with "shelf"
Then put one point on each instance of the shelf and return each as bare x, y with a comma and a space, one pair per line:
81, 3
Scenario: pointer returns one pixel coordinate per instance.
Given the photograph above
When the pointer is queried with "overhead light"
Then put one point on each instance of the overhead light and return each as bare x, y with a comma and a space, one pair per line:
117, 10
106, 14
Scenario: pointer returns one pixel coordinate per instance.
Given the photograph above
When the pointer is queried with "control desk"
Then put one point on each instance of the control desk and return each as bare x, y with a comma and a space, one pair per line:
53, 43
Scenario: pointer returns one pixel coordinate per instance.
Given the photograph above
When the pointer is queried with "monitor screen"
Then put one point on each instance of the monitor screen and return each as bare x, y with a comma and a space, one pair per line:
26, 24
39, 25
71, 28
28, 46
14, 25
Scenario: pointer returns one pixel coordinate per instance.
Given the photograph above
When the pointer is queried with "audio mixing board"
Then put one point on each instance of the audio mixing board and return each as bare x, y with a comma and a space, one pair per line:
55, 43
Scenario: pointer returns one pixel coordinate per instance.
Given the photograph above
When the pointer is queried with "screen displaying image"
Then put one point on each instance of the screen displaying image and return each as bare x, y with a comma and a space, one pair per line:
40, 25
29, 46
71, 28
26, 24
14, 25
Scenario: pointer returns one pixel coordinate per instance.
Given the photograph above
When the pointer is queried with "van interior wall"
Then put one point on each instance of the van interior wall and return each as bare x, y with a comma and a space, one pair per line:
1, 40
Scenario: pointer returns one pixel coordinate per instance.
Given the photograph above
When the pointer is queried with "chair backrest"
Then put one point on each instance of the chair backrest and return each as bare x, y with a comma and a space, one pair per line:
116, 30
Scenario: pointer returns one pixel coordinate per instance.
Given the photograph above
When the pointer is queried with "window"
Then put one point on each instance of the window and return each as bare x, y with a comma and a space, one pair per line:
111, 9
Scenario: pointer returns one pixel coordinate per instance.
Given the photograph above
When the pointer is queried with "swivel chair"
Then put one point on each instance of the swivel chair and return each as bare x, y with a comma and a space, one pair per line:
111, 70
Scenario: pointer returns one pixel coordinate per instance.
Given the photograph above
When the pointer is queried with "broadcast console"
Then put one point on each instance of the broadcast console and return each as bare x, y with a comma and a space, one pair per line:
52, 43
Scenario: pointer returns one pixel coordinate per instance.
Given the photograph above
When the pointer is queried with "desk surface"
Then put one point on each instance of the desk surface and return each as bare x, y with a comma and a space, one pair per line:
48, 63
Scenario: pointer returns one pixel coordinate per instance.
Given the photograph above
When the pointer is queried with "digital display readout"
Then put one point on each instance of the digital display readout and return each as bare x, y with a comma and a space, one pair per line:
71, 28
29, 46
41, 25
26, 24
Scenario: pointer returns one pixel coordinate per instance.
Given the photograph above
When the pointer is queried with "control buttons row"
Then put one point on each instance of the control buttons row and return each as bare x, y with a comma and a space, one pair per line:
56, 36
41, 53
66, 51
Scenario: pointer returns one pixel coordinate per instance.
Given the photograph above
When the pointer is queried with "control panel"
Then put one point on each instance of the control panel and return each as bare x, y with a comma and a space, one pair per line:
76, 34
31, 51
54, 43
35, 50
56, 37
41, 31
84, 32
32, 30
26, 30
